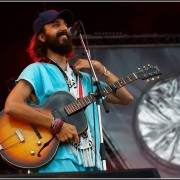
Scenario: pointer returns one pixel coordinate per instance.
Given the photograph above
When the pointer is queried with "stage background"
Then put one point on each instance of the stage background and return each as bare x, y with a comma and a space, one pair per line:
119, 121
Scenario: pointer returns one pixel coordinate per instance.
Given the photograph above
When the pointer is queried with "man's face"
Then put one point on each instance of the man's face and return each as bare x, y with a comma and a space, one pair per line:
56, 38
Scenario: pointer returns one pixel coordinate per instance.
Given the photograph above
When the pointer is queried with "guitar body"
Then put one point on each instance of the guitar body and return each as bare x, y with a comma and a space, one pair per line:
20, 143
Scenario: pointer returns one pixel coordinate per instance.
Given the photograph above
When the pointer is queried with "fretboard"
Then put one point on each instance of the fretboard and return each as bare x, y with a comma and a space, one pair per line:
120, 83
81, 103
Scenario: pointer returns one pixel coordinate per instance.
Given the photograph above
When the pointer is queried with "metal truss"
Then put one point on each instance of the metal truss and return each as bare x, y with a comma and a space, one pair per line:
105, 39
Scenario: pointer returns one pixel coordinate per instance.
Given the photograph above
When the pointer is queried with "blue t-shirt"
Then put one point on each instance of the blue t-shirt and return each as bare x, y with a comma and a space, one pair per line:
47, 79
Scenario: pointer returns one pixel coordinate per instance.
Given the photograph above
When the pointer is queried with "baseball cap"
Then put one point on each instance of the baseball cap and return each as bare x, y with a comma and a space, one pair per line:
49, 15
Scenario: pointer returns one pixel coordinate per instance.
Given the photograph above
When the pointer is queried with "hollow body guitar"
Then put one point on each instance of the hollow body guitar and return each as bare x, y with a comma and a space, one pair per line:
21, 144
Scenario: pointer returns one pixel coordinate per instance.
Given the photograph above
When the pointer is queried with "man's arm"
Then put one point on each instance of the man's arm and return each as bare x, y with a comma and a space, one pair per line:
16, 107
122, 95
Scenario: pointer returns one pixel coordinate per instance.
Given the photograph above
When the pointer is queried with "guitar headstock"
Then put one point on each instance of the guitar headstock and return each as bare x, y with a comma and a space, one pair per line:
147, 72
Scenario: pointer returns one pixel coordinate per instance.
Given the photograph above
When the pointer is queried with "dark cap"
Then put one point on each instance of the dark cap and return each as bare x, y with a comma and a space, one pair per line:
50, 15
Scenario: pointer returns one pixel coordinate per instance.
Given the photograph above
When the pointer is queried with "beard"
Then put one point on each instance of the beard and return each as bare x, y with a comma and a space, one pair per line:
63, 47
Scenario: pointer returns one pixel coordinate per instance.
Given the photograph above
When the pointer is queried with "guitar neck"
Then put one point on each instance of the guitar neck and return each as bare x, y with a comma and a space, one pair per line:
82, 103
120, 83
79, 104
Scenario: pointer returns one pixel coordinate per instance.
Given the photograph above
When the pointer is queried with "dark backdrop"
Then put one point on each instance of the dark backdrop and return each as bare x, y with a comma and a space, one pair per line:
131, 18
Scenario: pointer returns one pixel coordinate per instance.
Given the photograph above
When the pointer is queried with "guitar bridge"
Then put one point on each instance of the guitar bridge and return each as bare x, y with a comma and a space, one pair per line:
18, 133
20, 136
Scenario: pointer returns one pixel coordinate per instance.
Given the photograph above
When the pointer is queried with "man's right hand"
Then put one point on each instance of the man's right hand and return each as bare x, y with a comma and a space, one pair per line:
68, 133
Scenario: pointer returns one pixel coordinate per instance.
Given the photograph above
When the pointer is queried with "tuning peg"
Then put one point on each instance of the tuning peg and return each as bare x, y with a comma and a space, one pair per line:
139, 68
157, 77
152, 79
149, 65
147, 80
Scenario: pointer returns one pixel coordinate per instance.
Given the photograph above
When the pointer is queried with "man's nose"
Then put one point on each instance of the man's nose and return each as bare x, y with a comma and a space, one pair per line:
63, 27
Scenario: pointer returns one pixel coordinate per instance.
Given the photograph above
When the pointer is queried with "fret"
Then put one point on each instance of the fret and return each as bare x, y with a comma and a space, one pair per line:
68, 109
108, 89
114, 86
135, 77
71, 109
74, 107
126, 79
129, 78
89, 99
132, 77
105, 91
82, 102
119, 84
79, 105
86, 101
123, 81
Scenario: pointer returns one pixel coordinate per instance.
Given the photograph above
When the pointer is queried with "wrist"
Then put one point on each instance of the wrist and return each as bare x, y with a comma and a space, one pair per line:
106, 73
56, 125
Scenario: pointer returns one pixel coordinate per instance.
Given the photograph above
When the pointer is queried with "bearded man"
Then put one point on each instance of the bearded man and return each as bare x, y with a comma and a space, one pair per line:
51, 49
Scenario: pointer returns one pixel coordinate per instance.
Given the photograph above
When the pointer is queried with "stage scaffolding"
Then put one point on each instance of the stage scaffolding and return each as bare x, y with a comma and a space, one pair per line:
106, 39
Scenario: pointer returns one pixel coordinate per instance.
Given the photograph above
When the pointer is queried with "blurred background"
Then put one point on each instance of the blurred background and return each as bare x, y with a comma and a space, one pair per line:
124, 36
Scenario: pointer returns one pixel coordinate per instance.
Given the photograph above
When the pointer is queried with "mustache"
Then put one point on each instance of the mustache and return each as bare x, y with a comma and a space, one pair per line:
61, 33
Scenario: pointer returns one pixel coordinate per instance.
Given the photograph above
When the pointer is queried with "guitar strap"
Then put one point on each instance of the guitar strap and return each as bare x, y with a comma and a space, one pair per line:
80, 87
80, 92
64, 74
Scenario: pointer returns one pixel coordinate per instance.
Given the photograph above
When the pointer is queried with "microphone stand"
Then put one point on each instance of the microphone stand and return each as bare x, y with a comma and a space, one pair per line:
100, 93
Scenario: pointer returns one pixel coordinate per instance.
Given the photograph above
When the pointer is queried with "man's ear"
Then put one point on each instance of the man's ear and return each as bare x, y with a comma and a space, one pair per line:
41, 37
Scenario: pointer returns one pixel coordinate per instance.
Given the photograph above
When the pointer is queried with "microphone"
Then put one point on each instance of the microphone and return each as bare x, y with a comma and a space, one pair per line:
72, 31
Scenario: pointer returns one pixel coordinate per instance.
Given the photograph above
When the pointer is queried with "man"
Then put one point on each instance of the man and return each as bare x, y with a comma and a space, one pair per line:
51, 48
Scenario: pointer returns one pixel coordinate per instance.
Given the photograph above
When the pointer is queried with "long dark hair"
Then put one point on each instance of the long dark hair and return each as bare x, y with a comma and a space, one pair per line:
38, 52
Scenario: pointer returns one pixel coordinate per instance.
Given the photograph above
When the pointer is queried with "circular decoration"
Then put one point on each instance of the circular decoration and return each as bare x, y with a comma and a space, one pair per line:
157, 121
